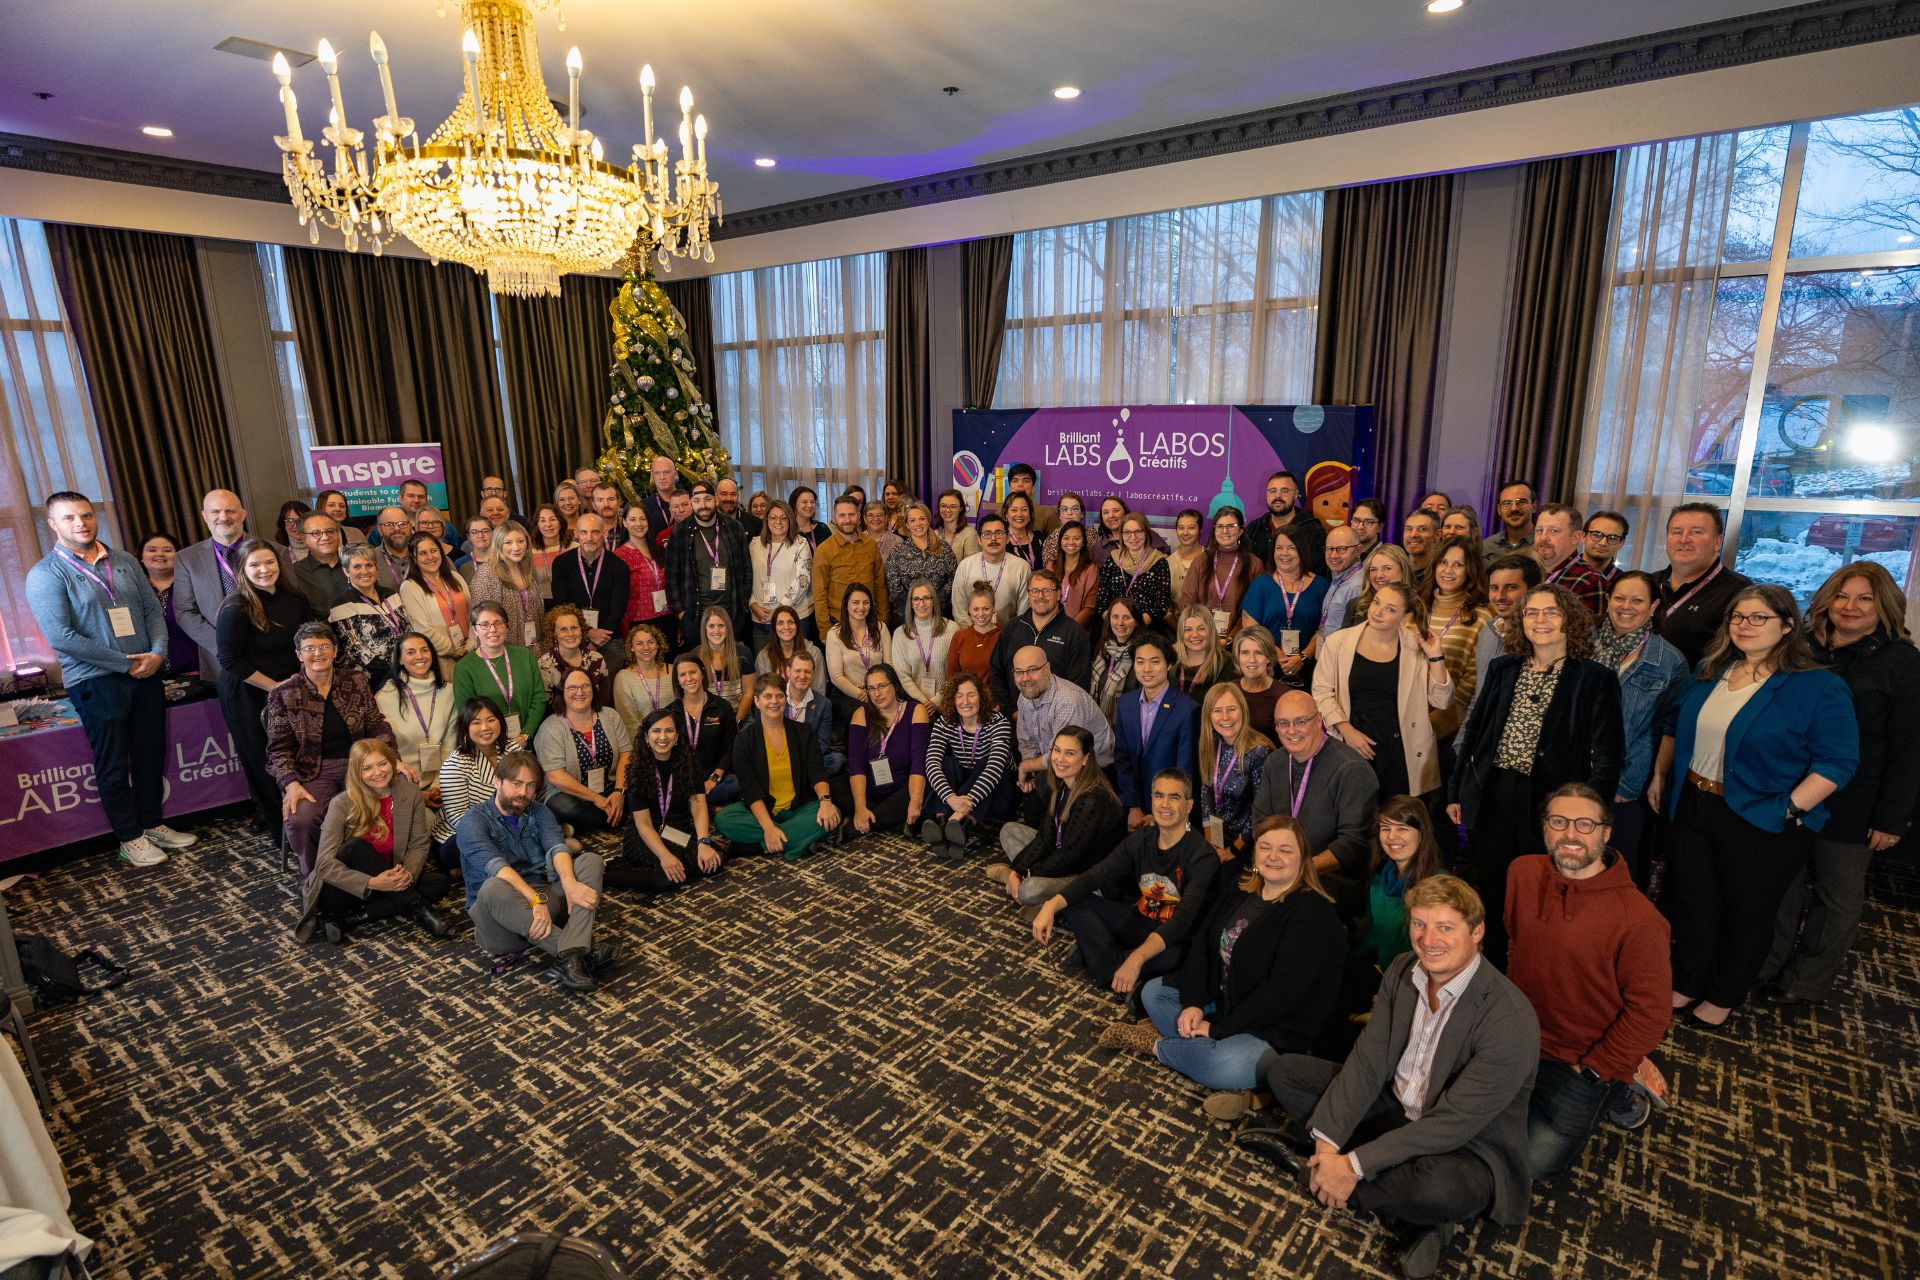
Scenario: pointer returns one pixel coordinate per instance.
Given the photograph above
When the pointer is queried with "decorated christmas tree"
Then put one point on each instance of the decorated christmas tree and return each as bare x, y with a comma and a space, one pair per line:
655, 408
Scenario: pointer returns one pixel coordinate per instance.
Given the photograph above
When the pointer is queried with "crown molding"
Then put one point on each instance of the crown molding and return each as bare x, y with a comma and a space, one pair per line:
1805, 28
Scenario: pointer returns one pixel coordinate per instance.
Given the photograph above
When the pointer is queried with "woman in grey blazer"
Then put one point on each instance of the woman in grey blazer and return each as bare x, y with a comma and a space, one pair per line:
372, 861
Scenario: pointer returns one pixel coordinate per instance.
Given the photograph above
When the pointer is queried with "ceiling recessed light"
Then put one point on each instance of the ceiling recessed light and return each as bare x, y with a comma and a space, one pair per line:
156, 131
765, 162
1066, 92
1445, 6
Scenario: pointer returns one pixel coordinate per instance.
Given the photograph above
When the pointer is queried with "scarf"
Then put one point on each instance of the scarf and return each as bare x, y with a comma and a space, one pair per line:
1119, 660
1610, 646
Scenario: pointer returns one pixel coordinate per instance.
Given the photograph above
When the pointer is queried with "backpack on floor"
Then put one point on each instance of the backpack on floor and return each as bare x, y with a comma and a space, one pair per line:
58, 978
542, 1255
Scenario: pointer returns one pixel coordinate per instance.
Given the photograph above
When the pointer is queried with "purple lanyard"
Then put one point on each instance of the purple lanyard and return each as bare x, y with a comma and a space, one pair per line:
1694, 590
506, 690
588, 744
970, 747
693, 728
224, 565
1025, 553
1300, 792
865, 645
1133, 577
394, 570
1220, 592
665, 792
926, 650
713, 547
770, 554
1059, 811
593, 588
433, 705
887, 737
1223, 771
106, 566
1291, 600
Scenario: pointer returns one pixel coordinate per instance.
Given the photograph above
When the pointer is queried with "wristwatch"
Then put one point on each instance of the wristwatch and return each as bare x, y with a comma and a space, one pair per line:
1588, 1074
706, 840
1438, 657
1795, 813
539, 900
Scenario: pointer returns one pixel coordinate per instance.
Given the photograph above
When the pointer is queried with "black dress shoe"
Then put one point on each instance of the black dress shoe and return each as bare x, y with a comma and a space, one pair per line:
1421, 1257
572, 971
433, 922
1780, 998
1275, 1147
335, 934
602, 958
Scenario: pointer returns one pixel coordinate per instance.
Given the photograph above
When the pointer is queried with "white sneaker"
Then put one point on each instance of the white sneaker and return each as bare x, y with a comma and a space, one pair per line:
141, 853
167, 838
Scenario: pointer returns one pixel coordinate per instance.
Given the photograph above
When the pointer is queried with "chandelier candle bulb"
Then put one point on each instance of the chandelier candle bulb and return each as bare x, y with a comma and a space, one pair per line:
646, 99
378, 47
330, 63
573, 89
470, 49
700, 133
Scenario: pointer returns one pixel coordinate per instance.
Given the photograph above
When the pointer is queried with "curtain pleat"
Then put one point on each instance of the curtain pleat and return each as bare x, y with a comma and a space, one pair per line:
986, 272
1559, 292
1382, 299
558, 356
909, 376
395, 349
139, 316
693, 299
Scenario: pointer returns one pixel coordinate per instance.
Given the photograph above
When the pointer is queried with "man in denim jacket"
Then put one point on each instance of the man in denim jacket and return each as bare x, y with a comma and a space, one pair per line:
525, 883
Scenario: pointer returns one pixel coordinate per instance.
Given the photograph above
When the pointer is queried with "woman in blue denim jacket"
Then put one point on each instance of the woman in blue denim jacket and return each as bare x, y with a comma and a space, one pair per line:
1652, 675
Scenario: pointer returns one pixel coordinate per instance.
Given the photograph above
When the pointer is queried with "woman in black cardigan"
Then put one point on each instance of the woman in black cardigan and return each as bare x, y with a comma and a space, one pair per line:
1262, 976
253, 634
1546, 715
785, 811
1084, 822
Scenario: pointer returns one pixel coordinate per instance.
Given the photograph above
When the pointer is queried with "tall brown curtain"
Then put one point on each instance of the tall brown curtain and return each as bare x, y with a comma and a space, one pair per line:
139, 315
1383, 272
693, 299
909, 373
399, 349
1559, 288
986, 273
558, 354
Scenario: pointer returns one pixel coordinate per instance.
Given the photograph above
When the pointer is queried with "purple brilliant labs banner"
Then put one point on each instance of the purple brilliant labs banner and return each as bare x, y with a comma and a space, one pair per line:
1162, 459
371, 474
47, 797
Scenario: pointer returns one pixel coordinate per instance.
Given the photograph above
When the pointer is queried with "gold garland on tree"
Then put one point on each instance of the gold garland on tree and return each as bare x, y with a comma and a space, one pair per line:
655, 408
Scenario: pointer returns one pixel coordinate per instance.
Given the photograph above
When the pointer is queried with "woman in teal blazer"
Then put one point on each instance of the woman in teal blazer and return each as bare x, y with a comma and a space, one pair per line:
1756, 745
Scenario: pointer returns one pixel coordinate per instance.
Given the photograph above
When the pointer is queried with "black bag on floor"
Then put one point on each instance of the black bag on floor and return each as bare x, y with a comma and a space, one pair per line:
541, 1255
58, 978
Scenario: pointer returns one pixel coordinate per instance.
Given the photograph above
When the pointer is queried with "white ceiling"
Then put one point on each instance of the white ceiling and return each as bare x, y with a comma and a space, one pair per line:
846, 93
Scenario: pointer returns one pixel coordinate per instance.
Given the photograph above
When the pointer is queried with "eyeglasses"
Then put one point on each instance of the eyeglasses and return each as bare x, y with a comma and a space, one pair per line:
1753, 619
1028, 671
396, 524
1302, 722
1364, 522
1043, 591
1504, 503
1585, 826
315, 650
323, 533
1605, 537
1542, 613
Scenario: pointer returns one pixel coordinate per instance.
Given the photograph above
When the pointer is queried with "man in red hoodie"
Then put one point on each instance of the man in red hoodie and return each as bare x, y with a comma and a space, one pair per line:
1591, 954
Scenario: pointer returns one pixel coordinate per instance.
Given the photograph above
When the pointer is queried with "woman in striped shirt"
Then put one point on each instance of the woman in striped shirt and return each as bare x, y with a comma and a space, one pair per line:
466, 776
968, 757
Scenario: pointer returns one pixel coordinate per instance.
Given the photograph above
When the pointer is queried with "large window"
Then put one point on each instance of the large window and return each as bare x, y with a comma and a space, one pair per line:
1212, 304
801, 372
47, 436
1799, 402
286, 356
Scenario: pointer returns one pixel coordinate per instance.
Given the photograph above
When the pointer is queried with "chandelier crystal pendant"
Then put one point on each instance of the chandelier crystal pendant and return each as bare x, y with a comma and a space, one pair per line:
504, 185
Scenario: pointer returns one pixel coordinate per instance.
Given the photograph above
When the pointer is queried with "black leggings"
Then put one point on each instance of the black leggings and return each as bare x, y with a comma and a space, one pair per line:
428, 887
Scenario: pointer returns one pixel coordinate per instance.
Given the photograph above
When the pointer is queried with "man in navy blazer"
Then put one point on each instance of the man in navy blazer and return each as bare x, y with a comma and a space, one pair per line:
1425, 1123
1153, 729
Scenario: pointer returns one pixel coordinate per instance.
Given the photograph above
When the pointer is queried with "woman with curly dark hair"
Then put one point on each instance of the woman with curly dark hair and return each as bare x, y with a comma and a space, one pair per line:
969, 755
1548, 715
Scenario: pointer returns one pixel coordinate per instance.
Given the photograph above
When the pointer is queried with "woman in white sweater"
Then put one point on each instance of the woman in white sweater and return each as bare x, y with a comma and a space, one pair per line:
920, 644
418, 702
782, 572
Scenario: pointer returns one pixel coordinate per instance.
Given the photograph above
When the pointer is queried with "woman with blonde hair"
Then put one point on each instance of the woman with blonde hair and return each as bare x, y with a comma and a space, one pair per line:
1262, 975
646, 683
921, 642
1385, 563
919, 553
372, 860
511, 577
1199, 661
728, 663
1232, 758
1376, 685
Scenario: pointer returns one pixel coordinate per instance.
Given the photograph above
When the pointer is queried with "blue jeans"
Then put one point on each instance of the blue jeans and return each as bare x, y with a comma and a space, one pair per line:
1564, 1112
1218, 1064
724, 792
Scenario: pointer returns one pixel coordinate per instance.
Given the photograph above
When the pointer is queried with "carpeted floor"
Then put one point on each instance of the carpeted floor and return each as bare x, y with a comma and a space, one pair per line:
859, 1066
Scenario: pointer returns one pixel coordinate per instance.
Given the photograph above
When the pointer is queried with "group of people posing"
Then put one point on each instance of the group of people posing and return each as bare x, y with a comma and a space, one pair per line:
1363, 831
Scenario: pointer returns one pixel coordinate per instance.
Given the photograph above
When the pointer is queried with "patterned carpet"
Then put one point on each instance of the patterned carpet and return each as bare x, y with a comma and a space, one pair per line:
853, 1067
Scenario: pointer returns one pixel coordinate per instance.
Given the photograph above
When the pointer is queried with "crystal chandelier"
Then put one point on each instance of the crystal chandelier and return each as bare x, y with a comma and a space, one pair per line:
503, 185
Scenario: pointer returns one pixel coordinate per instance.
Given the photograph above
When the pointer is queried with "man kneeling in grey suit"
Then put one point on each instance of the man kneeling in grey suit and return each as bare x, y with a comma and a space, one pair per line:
524, 886
1425, 1124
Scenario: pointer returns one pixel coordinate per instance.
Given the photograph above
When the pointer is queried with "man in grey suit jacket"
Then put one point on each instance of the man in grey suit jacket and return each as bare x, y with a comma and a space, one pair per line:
1426, 1121
203, 574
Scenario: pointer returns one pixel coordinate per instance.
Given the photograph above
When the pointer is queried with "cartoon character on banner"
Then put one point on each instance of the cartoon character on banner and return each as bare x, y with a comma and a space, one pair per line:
1330, 492
968, 474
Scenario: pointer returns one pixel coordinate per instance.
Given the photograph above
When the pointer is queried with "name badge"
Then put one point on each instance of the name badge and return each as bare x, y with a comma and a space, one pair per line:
513, 725
1216, 832
719, 577
121, 617
533, 634
674, 835
660, 601
1222, 621
882, 772
597, 781
1290, 642
432, 756
592, 617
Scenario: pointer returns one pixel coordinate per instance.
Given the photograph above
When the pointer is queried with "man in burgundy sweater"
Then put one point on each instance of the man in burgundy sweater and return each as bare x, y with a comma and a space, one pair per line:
1591, 954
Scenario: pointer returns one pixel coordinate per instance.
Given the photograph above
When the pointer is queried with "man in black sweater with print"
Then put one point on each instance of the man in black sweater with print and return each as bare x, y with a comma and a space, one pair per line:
1131, 914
